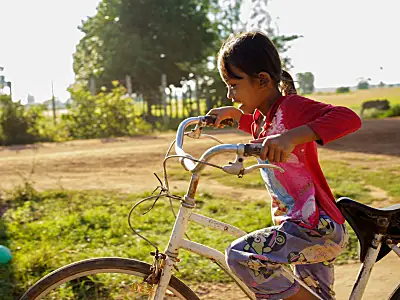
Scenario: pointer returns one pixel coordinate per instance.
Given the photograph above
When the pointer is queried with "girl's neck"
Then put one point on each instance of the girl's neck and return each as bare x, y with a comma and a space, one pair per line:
267, 104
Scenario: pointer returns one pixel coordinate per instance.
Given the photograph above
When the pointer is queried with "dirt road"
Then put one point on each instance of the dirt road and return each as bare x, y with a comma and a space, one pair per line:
127, 164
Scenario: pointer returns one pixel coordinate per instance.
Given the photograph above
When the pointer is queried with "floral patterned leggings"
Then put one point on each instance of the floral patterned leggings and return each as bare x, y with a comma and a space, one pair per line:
260, 258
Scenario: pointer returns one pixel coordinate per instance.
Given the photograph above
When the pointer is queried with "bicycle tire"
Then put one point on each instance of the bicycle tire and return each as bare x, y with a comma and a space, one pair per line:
396, 294
101, 265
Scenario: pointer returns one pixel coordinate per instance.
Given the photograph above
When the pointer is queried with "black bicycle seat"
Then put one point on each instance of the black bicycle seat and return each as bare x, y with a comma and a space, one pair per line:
367, 221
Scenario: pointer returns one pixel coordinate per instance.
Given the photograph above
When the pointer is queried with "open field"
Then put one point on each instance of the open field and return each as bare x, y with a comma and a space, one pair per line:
87, 187
355, 98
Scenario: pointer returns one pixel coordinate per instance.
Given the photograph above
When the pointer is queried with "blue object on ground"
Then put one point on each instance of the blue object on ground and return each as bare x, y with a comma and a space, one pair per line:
5, 255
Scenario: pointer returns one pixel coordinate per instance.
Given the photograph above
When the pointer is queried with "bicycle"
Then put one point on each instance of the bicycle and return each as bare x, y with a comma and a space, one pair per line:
378, 231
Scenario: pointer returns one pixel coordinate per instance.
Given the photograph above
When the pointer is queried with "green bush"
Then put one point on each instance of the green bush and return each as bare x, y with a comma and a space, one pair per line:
107, 114
394, 111
374, 113
363, 85
48, 131
25, 125
342, 90
16, 123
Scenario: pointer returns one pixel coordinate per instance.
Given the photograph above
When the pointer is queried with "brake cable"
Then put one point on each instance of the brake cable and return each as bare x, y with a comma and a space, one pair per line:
164, 192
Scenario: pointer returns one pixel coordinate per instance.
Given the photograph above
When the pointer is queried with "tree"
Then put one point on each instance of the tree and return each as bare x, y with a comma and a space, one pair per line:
363, 83
306, 82
225, 17
143, 39
261, 19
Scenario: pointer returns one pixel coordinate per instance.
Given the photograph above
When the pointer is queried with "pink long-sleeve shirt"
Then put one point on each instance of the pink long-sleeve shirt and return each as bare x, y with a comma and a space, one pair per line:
299, 193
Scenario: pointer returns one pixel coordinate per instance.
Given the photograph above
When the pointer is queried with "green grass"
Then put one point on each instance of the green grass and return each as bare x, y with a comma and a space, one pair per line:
353, 181
354, 99
57, 228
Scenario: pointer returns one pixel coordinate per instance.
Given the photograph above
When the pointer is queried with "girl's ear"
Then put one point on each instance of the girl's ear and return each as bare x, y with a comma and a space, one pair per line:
264, 80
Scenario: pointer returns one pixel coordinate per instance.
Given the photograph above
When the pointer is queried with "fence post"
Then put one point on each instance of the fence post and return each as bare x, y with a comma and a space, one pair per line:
176, 105
197, 95
170, 103
164, 96
128, 85
189, 101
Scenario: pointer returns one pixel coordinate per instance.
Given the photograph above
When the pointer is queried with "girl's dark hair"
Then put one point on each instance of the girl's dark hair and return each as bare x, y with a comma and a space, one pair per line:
253, 52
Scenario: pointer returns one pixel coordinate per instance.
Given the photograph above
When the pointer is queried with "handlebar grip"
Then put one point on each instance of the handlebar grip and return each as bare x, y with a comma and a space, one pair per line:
210, 119
252, 149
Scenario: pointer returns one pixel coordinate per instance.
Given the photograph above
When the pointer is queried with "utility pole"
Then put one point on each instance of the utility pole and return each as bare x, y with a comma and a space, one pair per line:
53, 102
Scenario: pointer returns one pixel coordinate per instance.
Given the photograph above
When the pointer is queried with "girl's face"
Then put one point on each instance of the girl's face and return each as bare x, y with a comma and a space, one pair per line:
250, 92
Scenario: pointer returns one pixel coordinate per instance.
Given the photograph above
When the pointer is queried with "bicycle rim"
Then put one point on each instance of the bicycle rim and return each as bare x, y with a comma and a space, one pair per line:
103, 278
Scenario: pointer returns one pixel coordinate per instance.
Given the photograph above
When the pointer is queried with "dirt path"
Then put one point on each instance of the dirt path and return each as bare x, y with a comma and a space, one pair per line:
127, 164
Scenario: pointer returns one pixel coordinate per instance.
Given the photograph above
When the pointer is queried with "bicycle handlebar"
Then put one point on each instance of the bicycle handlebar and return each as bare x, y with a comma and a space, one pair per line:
240, 149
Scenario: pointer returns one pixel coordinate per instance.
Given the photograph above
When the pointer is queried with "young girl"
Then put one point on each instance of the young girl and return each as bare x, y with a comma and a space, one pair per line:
309, 231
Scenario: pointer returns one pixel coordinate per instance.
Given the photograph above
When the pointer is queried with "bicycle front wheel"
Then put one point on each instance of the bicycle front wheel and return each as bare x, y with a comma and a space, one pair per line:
103, 278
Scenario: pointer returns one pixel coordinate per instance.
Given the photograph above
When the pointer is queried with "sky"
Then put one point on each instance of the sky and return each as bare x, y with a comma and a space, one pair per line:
342, 41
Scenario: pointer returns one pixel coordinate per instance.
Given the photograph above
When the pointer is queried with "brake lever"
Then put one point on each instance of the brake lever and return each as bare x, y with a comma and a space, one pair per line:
261, 166
197, 135
237, 168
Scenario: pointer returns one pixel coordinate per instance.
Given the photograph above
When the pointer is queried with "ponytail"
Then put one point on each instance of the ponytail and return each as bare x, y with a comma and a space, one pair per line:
287, 85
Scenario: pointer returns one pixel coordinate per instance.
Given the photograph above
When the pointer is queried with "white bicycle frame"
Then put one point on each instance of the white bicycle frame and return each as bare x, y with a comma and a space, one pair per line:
186, 215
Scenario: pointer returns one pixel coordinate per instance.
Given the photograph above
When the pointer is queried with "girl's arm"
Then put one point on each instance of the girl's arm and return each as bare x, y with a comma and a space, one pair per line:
309, 121
328, 122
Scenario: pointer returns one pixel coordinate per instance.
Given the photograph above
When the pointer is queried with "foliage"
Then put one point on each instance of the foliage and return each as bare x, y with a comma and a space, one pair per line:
261, 19
363, 85
374, 113
342, 90
225, 17
306, 82
107, 114
27, 124
18, 124
94, 224
143, 39
394, 111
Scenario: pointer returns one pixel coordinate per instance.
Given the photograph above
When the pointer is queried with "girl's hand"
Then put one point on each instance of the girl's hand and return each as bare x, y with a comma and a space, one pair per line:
227, 112
276, 148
